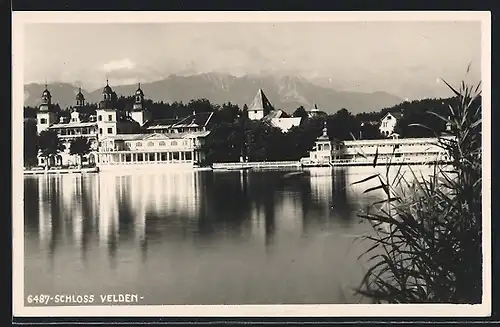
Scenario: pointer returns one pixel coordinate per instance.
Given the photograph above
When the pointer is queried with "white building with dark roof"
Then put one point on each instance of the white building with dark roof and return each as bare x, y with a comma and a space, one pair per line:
262, 109
260, 106
280, 119
388, 123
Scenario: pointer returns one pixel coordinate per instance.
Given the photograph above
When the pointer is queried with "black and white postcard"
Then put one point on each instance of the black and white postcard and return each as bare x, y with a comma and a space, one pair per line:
251, 164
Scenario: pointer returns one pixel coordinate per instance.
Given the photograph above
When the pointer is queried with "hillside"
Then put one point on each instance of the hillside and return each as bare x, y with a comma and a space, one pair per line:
286, 93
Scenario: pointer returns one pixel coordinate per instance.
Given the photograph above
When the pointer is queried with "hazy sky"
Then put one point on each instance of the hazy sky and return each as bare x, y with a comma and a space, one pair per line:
403, 58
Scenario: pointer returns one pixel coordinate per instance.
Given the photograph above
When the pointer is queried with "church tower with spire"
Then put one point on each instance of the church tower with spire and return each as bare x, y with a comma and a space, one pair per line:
139, 113
46, 114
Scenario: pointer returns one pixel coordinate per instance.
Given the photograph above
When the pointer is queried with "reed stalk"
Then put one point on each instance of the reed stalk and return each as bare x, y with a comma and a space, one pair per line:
427, 236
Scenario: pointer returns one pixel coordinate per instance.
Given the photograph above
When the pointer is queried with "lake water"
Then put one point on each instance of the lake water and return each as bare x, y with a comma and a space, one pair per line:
206, 237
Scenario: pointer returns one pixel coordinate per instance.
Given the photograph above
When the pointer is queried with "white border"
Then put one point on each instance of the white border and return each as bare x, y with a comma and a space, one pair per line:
19, 19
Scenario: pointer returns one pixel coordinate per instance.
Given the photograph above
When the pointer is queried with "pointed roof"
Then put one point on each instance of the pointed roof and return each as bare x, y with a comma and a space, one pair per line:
276, 114
260, 102
395, 114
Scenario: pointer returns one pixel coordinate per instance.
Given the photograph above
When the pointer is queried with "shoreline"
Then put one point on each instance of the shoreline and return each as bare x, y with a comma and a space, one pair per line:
59, 171
230, 166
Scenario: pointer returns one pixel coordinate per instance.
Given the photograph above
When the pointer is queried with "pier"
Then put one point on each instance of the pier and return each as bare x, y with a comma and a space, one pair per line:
58, 171
255, 165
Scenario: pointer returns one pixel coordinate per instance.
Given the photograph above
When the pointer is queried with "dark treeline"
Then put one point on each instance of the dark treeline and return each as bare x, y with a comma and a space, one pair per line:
235, 136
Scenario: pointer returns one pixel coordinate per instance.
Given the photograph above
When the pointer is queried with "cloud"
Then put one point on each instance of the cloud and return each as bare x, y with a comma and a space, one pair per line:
126, 71
118, 65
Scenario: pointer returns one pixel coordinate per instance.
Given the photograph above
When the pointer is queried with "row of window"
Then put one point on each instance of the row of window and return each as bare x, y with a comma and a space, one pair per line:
154, 156
83, 131
160, 143
110, 130
110, 118
176, 130
387, 145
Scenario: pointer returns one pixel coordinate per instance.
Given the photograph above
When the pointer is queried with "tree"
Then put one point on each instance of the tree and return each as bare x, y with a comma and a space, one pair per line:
224, 143
79, 146
343, 125
228, 112
300, 112
244, 111
30, 143
29, 112
49, 144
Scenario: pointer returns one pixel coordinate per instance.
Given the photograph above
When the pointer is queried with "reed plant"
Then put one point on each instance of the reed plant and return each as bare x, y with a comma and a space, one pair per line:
426, 245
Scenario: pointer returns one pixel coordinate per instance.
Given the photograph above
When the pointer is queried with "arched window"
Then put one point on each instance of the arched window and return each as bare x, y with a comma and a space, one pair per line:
162, 143
174, 143
138, 144
151, 144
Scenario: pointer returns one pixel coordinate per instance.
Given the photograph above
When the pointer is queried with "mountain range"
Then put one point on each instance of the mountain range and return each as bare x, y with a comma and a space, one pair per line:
284, 92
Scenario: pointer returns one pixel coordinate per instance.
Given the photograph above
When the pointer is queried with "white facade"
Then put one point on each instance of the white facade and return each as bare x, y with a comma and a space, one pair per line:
152, 149
44, 119
260, 106
388, 123
409, 149
286, 123
141, 117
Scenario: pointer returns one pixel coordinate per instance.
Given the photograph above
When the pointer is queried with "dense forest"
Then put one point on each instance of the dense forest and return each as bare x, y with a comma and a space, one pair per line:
234, 135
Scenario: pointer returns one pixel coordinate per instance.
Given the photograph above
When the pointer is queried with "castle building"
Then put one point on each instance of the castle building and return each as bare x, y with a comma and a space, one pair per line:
116, 136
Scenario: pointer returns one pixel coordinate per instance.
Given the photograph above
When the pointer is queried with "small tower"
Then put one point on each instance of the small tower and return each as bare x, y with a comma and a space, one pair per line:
46, 114
80, 99
448, 125
260, 106
107, 113
139, 113
323, 146
107, 93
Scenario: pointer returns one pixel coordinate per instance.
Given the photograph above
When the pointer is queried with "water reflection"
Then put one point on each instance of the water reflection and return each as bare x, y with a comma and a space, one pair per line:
232, 226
